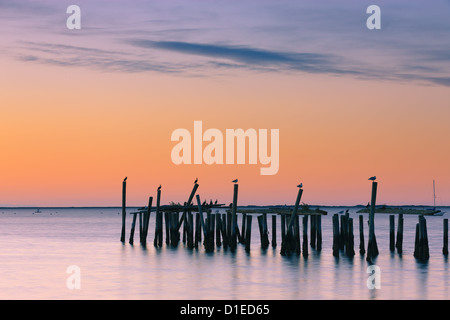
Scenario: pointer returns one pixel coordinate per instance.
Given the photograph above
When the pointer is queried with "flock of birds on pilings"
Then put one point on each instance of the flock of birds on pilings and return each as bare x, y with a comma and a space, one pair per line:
201, 226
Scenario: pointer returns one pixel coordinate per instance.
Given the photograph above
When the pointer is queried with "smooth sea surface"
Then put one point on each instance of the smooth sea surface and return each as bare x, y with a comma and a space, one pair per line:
37, 249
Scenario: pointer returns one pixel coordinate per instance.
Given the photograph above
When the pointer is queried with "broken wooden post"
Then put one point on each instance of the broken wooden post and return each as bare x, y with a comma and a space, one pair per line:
168, 219
233, 241
319, 232
313, 232
445, 246
224, 231
124, 210
421, 251
286, 244
147, 219
296, 240
133, 225
372, 248
362, 249
349, 247
336, 236
218, 230
305, 236
399, 242
274, 230
248, 233
244, 221
158, 225
392, 233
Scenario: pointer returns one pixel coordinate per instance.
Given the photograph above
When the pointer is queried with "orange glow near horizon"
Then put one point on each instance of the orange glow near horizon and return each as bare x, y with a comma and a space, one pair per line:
71, 136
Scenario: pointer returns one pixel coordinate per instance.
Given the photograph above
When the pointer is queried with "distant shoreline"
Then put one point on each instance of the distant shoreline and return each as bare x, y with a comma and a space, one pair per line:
245, 206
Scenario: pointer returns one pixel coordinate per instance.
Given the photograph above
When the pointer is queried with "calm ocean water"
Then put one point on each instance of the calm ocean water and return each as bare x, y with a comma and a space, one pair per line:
36, 250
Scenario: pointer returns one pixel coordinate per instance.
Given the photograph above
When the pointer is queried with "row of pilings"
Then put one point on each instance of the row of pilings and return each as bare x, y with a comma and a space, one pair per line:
196, 225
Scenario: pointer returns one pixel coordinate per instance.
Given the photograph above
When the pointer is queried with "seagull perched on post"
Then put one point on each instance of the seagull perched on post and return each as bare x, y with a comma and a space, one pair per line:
159, 188
196, 179
300, 185
235, 180
373, 178
125, 179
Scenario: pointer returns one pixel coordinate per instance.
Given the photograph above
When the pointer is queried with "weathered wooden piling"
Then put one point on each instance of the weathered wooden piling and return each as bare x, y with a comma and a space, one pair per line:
445, 246
218, 230
157, 242
168, 225
392, 233
233, 240
362, 249
287, 244
336, 236
349, 247
147, 219
305, 236
296, 239
274, 231
224, 231
133, 225
399, 241
248, 233
124, 209
313, 231
262, 223
243, 225
372, 247
421, 250
319, 232
283, 227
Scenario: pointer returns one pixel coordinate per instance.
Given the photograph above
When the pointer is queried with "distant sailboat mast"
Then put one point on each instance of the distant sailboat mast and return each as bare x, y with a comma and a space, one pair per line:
434, 196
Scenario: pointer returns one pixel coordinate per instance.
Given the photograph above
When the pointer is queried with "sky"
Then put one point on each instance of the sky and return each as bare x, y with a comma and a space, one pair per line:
82, 109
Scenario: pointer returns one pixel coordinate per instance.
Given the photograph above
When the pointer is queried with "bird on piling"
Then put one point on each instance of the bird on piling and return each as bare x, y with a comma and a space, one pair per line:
373, 178
300, 185
215, 202
125, 179
196, 179
235, 180
159, 188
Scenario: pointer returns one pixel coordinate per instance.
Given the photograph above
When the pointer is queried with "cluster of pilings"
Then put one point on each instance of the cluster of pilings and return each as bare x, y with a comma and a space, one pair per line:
201, 226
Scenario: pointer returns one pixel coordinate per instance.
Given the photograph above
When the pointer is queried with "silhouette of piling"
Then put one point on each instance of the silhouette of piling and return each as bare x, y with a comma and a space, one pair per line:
336, 236
264, 234
362, 249
421, 250
288, 244
168, 225
318, 232
133, 226
147, 220
305, 236
233, 240
392, 233
223, 230
372, 247
243, 228
349, 247
218, 230
274, 231
445, 246
124, 210
399, 241
157, 242
248, 233
313, 231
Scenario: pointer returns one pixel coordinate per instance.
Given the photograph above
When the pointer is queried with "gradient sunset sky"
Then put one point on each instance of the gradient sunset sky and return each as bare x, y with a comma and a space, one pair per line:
82, 109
